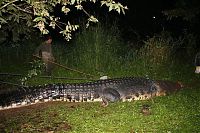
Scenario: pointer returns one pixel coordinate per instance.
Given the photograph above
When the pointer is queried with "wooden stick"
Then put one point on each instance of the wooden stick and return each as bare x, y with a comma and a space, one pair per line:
20, 75
10, 74
3, 82
65, 78
66, 67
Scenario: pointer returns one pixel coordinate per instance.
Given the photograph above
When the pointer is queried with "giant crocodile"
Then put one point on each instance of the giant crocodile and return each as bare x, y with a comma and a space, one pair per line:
109, 90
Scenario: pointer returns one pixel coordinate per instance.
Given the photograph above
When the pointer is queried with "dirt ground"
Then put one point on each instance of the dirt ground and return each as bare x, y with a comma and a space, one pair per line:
29, 108
6, 115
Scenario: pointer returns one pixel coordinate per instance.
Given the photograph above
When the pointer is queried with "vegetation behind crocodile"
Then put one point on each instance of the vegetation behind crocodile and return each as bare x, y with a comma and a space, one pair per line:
109, 90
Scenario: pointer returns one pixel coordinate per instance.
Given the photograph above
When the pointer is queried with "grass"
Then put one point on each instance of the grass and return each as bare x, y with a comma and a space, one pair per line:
175, 113
100, 51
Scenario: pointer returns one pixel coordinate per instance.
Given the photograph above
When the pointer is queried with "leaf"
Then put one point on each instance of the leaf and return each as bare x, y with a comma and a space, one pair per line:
52, 24
88, 24
114, 6
103, 2
73, 1
11, 8
118, 10
44, 13
3, 10
51, 18
94, 1
45, 31
123, 10
10, 17
93, 19
79, 7
16, 18
62, 32
126, 7
110, 8
38, 19
65, 9
29, 23
65, 2
2, 20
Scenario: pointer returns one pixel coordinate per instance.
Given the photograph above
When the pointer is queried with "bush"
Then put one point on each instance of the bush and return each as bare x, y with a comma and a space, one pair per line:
96, 49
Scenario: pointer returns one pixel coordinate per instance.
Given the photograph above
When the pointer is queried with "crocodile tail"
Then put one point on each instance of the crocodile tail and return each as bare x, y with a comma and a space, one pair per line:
52, 92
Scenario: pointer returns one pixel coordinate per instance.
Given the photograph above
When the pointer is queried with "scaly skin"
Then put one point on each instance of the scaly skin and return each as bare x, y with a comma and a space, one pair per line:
109, 90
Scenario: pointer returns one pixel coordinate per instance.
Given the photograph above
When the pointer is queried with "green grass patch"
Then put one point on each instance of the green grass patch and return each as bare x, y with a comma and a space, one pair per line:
175, 113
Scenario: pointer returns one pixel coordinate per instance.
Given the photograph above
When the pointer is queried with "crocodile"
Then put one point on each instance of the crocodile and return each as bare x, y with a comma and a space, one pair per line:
105, 91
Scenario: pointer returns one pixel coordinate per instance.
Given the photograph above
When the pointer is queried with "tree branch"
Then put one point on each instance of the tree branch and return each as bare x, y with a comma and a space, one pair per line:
86, 12
8, 4
58, 26
15, 14
23, 10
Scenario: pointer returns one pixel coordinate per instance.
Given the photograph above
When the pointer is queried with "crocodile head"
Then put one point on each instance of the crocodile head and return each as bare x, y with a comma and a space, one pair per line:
165, 87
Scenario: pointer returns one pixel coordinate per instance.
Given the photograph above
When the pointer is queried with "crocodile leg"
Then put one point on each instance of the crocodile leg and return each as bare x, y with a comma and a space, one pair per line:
109, 95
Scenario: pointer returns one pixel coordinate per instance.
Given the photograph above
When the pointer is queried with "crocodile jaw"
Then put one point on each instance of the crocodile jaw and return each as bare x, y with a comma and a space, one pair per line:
165, 87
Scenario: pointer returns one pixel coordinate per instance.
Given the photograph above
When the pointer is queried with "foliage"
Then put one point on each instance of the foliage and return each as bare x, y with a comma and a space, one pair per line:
160, 48
19, 16
108, 56
37, 68
101, 42
186, 14
188, 10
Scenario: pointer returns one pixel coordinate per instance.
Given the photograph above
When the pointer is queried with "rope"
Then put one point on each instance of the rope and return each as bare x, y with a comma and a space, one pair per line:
67, 67
10, 74
65, 78
13, 74
3, 82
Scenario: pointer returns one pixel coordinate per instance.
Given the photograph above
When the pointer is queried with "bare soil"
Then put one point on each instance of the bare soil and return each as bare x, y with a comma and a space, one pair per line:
39, 106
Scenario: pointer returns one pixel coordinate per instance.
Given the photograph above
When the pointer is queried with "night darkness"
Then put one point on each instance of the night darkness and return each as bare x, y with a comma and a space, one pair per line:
144, 17
138, 72
147, 18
